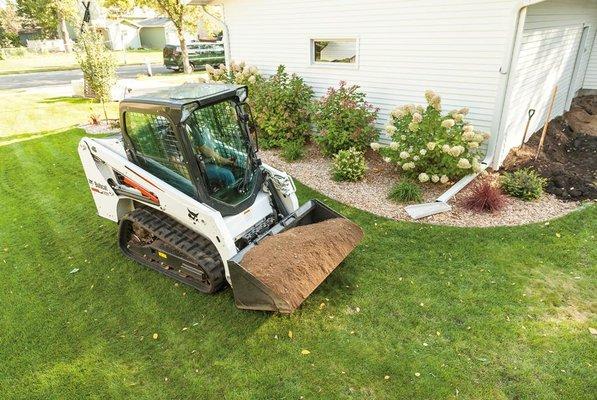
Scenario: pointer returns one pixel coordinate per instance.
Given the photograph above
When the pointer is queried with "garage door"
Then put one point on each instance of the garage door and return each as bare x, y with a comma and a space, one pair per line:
547, 55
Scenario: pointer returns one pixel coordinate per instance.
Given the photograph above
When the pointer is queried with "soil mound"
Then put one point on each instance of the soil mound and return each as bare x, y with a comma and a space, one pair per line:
569, 156
293, 263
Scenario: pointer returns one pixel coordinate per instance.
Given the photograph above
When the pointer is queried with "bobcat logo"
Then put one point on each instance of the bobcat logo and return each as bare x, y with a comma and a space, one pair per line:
193, 216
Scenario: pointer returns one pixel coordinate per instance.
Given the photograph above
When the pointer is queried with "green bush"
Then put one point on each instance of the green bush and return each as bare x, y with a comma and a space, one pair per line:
526, 184
292, 151
344, 120
430, 146
349, 165
405, 191
282, 108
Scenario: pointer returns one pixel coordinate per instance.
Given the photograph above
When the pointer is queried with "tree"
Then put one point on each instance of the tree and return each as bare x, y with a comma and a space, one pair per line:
10, 25
183, 16
51, 16
98, 65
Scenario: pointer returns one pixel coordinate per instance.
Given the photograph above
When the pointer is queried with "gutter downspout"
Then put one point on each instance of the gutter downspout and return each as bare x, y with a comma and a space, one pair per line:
440, 205
226, 33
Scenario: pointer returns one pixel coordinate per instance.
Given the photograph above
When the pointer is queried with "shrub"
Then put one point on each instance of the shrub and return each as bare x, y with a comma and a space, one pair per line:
485, 197
282, 107
349, 165
431, 146
344, 120
525, 184
292, 151
405, 191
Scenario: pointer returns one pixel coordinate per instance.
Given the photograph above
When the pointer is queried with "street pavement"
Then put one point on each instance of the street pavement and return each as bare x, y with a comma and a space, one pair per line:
58, 78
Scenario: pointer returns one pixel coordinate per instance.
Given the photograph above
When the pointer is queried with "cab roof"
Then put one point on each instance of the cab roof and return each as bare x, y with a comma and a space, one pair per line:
202, 93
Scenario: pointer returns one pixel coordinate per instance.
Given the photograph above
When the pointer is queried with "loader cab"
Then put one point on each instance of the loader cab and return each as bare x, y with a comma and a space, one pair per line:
197, 138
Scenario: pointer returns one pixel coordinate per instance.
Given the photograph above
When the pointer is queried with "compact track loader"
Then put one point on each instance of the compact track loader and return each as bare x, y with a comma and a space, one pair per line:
193, 200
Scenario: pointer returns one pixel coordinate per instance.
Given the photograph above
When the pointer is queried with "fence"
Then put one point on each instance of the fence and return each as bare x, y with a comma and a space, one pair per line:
45, 45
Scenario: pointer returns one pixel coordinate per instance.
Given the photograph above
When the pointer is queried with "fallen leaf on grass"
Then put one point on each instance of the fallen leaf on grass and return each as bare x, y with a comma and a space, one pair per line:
305, 352
593, 331
322, 306
386, 377
74, 271
417, 374
155, 336
290, 334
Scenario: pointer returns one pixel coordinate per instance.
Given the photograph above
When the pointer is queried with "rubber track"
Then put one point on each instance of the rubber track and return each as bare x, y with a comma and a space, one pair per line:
195, 248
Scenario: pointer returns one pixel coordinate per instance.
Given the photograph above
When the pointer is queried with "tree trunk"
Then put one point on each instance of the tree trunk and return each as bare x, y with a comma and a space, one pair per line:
186, 64
105, 112
64, 35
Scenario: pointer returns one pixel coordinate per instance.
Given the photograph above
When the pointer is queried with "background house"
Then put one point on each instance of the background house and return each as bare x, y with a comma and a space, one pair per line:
499, 57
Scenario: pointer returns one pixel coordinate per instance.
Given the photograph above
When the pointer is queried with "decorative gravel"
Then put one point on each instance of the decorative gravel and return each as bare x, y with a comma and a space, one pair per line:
370, 194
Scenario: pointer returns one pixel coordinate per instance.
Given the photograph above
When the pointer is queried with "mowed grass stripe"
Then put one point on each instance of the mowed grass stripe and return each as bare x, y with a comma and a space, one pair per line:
512, 307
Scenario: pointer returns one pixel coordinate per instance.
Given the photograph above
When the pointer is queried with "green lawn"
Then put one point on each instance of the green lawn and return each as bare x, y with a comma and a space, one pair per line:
32, 62
444, 313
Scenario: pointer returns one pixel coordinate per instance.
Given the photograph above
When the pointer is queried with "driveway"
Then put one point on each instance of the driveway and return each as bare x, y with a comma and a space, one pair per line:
37, 79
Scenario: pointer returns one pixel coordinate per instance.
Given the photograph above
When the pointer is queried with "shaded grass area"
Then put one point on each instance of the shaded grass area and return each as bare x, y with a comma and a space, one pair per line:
443, 312
28, 114
33, 62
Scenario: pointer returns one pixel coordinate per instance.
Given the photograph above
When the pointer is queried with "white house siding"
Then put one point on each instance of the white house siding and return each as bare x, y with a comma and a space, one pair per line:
549, 46
590, 81
404, 47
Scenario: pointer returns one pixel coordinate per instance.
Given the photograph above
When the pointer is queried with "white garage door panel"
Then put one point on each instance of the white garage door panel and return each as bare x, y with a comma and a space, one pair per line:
546, 58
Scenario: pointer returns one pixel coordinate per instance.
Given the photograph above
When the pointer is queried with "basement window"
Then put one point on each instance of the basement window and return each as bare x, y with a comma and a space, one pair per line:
334, 51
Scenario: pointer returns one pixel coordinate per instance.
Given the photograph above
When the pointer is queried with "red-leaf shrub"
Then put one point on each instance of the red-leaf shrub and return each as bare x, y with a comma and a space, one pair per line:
485, 197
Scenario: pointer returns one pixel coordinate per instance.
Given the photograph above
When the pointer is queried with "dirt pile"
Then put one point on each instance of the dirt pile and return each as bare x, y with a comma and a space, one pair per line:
293, 263
569, 156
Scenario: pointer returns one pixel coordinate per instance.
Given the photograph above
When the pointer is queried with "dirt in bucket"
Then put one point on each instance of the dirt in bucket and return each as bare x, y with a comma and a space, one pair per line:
569, 156
293, 263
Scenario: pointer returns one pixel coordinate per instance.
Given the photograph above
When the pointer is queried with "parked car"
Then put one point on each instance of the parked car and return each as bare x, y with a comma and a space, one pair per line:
200, 54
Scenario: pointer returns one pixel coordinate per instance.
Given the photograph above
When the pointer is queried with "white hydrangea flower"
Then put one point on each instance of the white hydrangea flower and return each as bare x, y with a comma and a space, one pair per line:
423, 177
209, 69
463, 111
434, 178
410, 108
422, 152
387, 159
394, 145
408, 165
446, 148
468, 136
417, 118
486, 135
444, 179
431, 145
253, 69
458, 117
413, 126
473, 145
375, 146
252, 79
478, 137
416, 158
430, 95
456, 151
404, 155
397, 112
448, 123
468, 128
476, 165
403, 137
391, 129
463, 163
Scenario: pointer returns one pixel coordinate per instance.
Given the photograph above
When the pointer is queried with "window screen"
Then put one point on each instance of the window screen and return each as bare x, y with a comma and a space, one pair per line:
158, 150
342, 51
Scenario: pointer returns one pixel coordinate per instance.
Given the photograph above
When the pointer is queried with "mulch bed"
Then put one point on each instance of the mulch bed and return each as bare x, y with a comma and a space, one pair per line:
371, 193
569, 156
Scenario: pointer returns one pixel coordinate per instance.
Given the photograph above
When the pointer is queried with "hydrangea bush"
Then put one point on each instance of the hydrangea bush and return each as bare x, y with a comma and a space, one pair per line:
344, 119
349, 165
431, 146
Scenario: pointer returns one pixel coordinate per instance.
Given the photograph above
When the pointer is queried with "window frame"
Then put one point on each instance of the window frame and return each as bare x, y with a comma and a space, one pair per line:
327, 64
174, 114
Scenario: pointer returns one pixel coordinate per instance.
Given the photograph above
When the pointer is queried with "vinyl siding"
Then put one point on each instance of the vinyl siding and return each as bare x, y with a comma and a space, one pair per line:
590, 81
404, 47
547, 56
